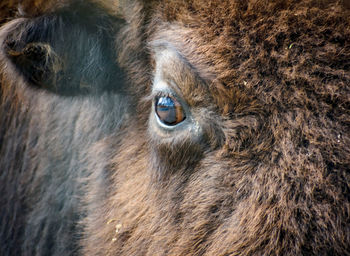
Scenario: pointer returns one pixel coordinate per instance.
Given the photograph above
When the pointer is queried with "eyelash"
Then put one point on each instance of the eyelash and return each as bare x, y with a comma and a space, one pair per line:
162, 94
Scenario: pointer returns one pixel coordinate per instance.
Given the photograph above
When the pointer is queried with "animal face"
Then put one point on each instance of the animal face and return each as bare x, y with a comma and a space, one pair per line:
228, 135
238, 160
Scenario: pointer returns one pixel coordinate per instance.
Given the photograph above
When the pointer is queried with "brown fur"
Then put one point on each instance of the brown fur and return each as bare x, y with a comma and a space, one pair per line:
261, 166
273, 78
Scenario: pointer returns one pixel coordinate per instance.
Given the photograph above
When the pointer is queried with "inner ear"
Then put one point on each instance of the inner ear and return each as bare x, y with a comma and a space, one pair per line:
38, 62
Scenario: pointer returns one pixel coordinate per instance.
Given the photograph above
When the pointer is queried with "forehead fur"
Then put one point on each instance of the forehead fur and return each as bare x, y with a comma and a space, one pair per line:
274, 52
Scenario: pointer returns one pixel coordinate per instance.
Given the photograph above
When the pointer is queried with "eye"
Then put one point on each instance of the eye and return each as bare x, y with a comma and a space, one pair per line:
169, 110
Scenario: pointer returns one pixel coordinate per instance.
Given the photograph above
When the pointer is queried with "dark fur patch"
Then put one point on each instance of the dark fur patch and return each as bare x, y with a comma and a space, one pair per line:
45, 132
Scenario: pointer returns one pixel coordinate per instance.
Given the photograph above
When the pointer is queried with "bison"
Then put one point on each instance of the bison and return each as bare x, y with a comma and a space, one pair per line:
175, 128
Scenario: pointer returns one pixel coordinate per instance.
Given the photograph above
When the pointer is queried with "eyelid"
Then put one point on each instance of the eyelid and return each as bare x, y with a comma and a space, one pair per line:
168, 92
166, 85
159, 93
166, 88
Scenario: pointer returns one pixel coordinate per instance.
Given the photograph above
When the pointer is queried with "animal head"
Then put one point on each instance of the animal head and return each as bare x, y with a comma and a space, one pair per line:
234, 139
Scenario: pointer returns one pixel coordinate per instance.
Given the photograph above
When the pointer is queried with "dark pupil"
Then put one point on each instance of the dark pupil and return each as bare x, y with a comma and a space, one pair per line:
169, 110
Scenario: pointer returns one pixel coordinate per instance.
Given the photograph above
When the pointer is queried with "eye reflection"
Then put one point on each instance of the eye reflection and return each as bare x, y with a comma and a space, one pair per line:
169, 110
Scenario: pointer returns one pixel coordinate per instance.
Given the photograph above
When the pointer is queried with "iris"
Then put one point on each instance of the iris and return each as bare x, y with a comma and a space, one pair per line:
169, 110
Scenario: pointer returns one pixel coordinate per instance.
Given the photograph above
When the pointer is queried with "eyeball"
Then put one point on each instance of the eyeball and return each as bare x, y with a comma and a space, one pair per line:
169, 111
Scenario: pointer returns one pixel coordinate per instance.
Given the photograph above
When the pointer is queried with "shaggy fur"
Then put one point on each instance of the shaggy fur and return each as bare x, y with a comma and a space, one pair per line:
259, 167
267, 172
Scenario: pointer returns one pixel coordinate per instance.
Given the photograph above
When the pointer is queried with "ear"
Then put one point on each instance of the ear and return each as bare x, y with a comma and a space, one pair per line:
69, 50
39, 64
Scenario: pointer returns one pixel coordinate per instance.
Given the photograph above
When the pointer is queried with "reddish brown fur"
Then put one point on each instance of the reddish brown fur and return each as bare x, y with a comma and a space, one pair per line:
275, 82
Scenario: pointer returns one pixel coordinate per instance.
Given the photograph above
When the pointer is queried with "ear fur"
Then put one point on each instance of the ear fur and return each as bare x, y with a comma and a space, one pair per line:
65, 46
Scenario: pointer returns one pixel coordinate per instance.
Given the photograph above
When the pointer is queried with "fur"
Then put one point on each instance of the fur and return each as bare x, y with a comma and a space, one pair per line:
260, 166
271, 79
57, 74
